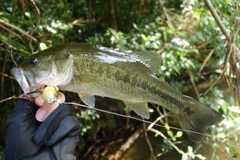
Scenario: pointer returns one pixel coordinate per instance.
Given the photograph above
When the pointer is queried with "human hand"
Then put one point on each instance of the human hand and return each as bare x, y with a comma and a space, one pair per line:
46, 108
54, 138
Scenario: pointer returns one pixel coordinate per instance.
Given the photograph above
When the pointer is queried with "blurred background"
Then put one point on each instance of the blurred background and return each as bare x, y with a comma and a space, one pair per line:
200, 59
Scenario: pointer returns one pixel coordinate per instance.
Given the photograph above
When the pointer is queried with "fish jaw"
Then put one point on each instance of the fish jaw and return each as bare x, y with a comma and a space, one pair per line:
27, 82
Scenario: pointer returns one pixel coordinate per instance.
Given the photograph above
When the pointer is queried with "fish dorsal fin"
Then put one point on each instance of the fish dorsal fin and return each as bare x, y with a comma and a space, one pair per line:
150, 58
87, 99
141, 108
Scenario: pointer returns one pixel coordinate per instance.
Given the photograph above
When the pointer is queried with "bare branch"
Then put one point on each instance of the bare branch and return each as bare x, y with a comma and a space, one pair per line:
38, 23
218, 20
10, 31
169, 141
194, 85
148, 141
7, 99
18, 29
165, 12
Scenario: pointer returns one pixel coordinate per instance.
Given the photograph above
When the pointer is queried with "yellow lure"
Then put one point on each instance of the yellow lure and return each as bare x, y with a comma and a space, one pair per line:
50, 94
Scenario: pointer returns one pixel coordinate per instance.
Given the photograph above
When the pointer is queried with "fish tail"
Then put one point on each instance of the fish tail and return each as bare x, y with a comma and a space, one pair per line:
197, 117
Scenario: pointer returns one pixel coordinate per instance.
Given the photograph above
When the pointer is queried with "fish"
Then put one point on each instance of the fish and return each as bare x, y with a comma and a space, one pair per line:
93, 70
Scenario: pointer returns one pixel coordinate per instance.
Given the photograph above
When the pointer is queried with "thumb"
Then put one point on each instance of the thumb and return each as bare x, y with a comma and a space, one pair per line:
45, 108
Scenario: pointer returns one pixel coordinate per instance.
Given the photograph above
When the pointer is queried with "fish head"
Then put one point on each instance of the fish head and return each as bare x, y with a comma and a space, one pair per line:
51, 67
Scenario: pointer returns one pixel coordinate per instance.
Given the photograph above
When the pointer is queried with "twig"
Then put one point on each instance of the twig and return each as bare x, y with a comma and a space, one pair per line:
6, 75
114, 22
236, 22
217, 19
2, 77
89, 150
10, 31
206, 59
148, 141
12, 57
165, 13
162, 135
126, 145
237, 90
158, 119
7, 99
227, 58
38, 22
195, 151
18, 29
170, 142
213, 154
194, 85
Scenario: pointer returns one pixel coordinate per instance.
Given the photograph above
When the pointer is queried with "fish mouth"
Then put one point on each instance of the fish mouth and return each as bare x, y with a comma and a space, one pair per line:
26, 80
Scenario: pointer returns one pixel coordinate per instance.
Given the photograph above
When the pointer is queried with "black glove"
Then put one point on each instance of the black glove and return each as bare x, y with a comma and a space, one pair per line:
55, 138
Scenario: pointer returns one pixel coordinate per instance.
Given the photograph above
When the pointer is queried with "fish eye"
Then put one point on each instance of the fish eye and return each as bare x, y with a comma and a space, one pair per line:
33, 61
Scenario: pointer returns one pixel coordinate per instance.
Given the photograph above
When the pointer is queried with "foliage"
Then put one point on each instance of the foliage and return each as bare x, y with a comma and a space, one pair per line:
184, 33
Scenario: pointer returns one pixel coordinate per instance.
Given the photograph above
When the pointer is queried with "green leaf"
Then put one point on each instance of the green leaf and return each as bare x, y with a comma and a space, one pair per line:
15, 45
27, 14
235, 154
52, 30
13, 19
184, 156
170, 133
190, 149
224, 106
3, 38
179, 134
127, 109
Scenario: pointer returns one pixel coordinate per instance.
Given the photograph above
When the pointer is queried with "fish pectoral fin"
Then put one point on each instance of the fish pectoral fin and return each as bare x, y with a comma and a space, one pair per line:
141, 108
87, 99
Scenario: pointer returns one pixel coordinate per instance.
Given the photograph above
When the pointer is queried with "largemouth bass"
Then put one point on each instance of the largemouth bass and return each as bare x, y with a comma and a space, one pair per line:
95, 70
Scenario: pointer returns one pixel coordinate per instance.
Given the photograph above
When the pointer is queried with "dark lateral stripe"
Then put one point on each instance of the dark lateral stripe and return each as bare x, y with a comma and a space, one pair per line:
144, 85
163, 95
167, 97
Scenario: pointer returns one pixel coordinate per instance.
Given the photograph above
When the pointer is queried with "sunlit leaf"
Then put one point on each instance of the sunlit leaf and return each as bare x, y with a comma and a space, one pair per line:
179, 134
170, 133
200, 156
14, 44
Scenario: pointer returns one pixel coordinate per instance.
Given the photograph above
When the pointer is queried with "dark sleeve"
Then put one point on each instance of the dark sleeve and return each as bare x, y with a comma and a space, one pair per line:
55, 138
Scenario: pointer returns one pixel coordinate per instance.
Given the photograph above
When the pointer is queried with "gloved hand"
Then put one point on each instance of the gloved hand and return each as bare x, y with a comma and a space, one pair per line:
54, 138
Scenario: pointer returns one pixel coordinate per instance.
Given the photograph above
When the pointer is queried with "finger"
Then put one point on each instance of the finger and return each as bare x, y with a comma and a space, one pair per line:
46, 109
39, 100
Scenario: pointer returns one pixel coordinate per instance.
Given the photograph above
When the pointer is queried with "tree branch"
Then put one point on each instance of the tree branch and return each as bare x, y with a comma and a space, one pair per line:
218, 20
165, 13
18, 29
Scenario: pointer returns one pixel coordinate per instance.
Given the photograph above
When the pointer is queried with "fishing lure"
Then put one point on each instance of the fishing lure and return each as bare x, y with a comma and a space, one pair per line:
50, 94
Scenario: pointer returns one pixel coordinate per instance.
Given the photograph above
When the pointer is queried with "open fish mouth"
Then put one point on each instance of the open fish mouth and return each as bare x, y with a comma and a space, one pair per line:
30, 88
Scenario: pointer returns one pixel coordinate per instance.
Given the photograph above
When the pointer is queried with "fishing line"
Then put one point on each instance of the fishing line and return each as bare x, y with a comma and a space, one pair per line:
138, 119
149, 122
